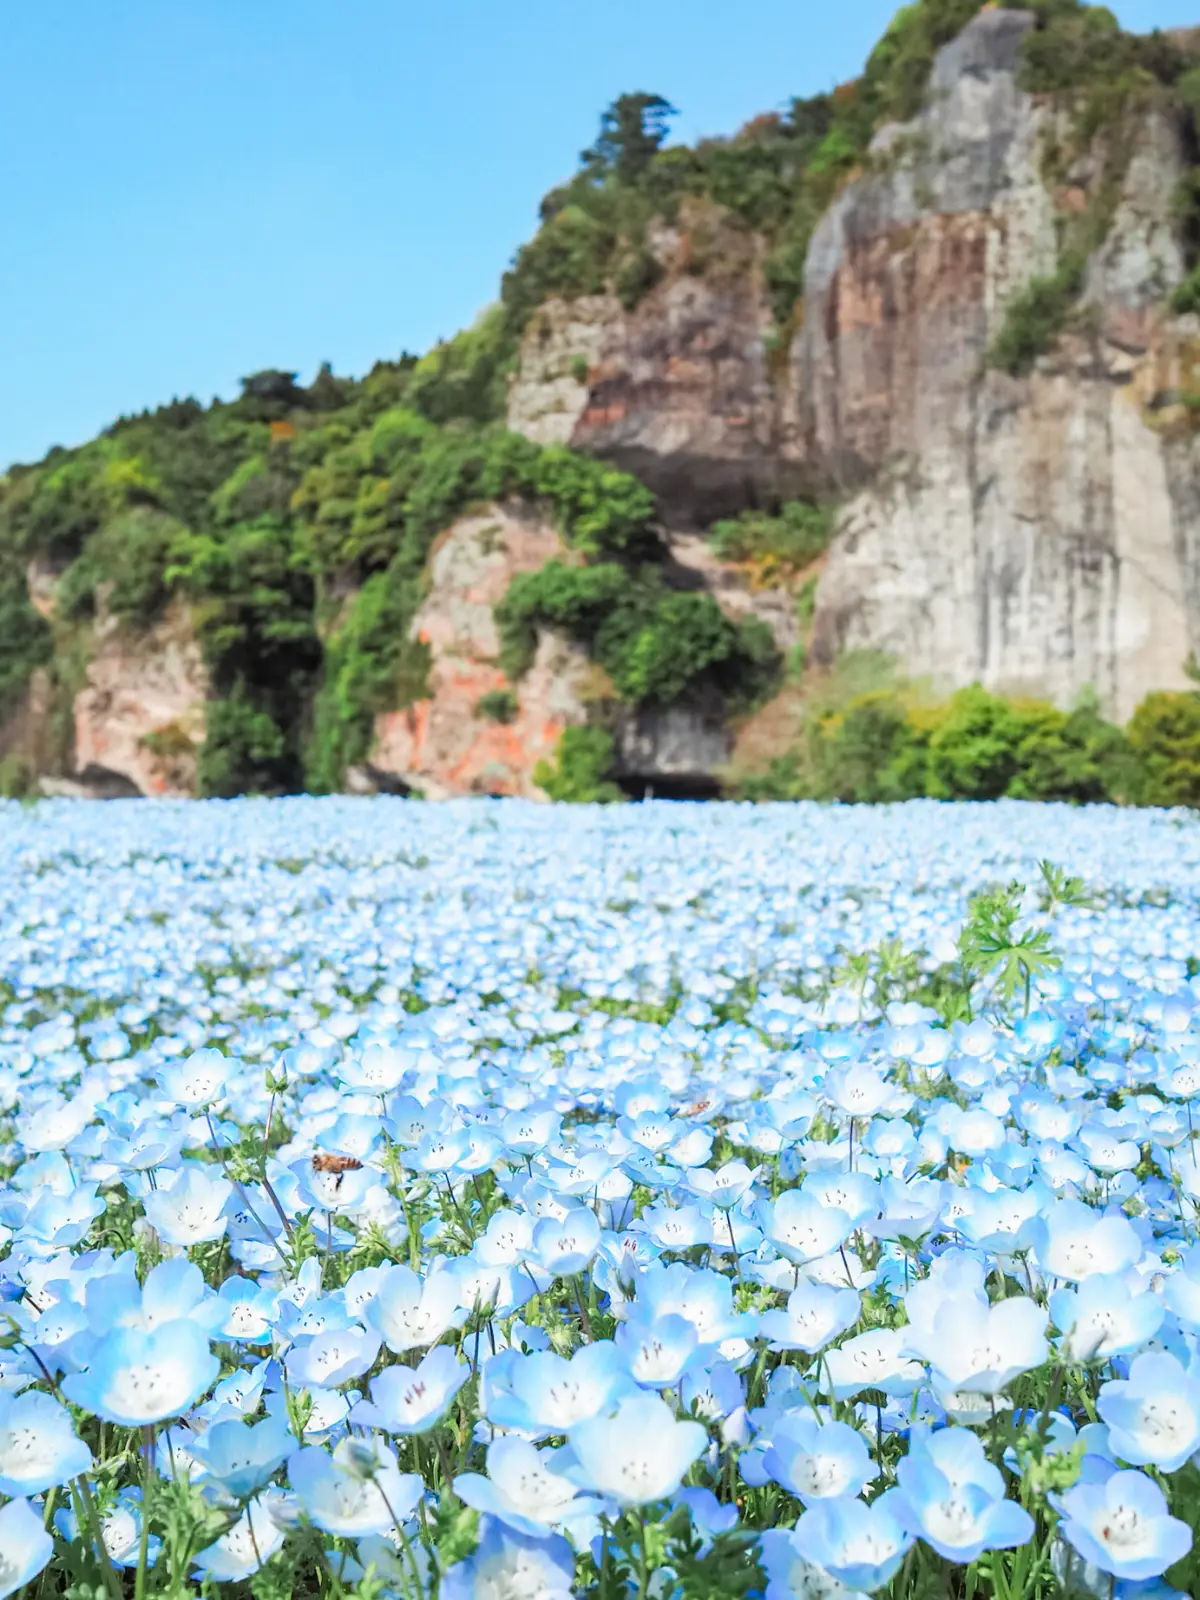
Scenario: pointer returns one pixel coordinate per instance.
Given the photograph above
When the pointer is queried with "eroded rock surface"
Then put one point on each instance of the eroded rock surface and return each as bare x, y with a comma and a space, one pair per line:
1037, 533
443, 744
140, 718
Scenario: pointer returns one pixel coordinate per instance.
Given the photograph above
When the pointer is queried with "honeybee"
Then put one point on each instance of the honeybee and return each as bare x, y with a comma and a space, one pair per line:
339, 1164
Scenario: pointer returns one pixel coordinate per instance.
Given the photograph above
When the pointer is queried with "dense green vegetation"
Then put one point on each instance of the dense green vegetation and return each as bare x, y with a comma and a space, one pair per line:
296, 523
886, 745
655, 643
580, 770
785, 541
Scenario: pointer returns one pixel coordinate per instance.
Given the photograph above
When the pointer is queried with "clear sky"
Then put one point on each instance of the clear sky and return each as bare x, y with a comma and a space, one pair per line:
192, 191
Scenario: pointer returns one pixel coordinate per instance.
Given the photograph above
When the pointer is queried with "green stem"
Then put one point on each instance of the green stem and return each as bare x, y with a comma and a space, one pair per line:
643, 1557
93, 1521
139, 1583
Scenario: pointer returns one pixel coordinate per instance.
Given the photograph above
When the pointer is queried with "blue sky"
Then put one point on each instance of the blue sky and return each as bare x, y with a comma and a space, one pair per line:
191, 192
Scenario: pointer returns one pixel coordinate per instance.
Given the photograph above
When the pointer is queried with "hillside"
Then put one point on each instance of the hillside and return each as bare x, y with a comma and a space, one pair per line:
906, 369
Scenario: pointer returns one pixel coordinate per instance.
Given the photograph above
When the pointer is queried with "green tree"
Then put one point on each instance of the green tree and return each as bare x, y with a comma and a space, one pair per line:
1164, 734
632, 131
581, 768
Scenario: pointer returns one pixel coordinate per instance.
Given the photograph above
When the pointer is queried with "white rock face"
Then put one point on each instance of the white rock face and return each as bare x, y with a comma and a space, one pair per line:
1020, 532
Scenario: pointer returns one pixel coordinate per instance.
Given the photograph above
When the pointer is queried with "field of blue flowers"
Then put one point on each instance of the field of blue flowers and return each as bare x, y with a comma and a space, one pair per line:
516, 1202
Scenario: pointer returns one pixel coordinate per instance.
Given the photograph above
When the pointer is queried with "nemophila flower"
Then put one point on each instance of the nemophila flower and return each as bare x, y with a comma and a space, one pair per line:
359, 1489
247, 1311
1072, 1241
190, 1210
546, 1393
25, 1546
1181, 1292
239, 1553
953, 1497
703, 1298
507, 1562
791, 1575
1106, 1316
331, 1359
410, 1312
135, 1378
120, 1528
38, 1444
980, 1348
198, 1081
873, 1360
173, 1290
413, 1399
564, 1248
1123, 1527
639, 1453
657, 1352
525, 1488
677, 1227
815, 1459
862, 1546
724, 1187
57, 1222
816, 1314
1153, 1416
802, 1229
328, 1185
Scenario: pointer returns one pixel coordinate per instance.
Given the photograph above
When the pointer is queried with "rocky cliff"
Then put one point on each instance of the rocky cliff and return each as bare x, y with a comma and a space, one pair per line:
1035, 531
948, 312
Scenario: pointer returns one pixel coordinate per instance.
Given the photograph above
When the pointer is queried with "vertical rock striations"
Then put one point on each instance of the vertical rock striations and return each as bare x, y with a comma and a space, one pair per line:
1036, 532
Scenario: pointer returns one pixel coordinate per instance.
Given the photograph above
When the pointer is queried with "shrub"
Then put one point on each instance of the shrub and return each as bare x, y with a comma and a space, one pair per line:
656, 644
1164, 734
25, 638
581, 768
1036, 315
871, 751
1076, 756
17, 780
130, 556
498, 705
789, 539
973, 752
244, 750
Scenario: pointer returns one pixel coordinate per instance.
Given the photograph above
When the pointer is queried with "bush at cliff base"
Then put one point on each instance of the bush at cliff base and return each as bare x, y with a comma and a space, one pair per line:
890, 744
523, 1202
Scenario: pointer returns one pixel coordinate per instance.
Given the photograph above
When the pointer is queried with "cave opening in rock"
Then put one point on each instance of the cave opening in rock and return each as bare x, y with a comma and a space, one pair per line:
681, 786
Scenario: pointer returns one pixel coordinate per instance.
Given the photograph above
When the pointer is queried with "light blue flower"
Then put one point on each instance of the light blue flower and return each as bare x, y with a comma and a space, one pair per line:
413, 1399
359, 1489
815, 1459
25, 1546
862, 1546
1153, 1416
953, 1497
1105, 1316
242, 1459
527, 1489
191, 1210
1123, 1526
138, 1378
545, 1393
239, 1553
639, 1453
507, 1562
38, 1444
